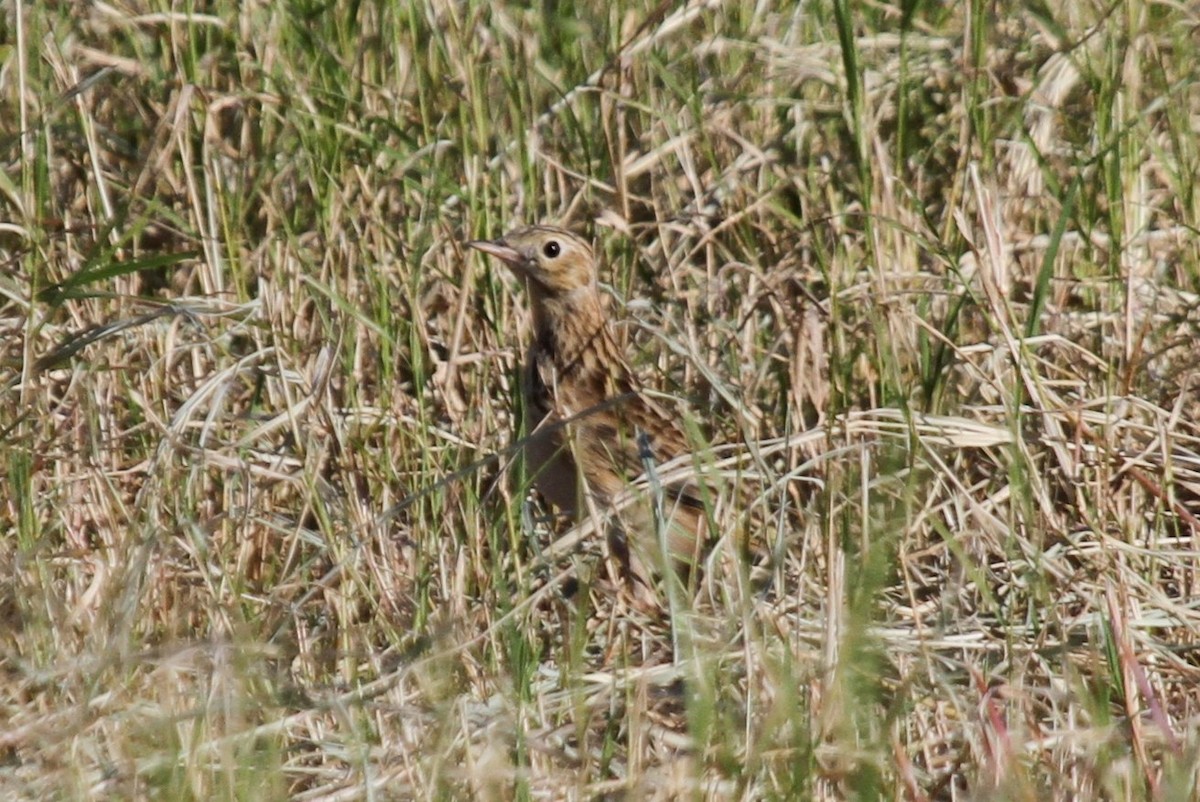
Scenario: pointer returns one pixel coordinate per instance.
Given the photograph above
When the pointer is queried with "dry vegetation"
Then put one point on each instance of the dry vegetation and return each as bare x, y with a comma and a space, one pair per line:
928, 273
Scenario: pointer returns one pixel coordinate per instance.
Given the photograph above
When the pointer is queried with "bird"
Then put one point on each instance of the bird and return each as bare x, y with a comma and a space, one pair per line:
592, 430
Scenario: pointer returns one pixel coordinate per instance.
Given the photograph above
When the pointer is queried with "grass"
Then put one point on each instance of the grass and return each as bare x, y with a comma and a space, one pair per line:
928, 272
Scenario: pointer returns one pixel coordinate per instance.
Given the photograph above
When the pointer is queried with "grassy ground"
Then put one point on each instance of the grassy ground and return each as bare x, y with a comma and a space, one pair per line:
931, 269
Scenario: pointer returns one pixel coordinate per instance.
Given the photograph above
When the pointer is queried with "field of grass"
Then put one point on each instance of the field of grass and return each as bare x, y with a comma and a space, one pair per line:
927, 274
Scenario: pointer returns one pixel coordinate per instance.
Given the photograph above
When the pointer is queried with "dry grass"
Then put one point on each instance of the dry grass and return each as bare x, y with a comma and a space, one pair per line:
928, 278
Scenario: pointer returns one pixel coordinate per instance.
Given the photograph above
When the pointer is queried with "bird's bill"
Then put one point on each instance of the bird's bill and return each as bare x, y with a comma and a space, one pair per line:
498, 248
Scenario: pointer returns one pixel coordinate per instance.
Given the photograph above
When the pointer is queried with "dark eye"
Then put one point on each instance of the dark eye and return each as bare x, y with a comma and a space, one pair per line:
552, 249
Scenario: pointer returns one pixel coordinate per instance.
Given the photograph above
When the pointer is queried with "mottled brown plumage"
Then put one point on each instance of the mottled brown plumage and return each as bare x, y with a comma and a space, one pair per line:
575, 373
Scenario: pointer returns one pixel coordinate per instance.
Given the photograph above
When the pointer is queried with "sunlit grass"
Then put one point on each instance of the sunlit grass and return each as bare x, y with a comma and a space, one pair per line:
926, 275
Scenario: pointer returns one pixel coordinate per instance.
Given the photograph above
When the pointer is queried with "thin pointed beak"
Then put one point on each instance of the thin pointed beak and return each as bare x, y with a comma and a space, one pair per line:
500, 249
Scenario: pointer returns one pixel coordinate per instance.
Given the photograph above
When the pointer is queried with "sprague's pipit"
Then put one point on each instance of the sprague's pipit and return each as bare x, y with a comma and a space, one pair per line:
591, 429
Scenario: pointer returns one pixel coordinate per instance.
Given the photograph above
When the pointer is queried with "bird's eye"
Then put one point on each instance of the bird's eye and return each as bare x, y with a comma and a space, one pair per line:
552, 249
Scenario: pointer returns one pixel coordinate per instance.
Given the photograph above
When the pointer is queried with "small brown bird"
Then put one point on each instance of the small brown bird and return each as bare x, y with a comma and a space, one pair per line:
592, 431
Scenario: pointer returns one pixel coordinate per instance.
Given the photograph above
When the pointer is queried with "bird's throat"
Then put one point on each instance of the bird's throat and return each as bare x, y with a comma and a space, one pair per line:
566, 324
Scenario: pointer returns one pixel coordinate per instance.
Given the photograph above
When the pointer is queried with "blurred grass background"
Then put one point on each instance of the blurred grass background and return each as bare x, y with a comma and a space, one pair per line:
262, 537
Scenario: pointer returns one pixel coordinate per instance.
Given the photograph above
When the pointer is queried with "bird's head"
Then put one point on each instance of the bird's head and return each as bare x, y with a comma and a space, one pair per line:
557, 263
